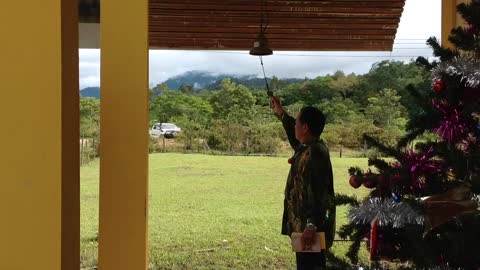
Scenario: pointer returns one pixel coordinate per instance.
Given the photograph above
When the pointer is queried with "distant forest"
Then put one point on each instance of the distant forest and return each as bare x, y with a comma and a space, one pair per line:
232, 115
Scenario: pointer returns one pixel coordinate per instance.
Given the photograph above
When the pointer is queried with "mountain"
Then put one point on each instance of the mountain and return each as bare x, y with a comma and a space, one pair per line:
198, 79
201, 80
253, 82
207, 80
90, 92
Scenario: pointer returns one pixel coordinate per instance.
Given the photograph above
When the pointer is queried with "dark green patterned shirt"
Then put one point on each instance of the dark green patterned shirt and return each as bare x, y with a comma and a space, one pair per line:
309, 194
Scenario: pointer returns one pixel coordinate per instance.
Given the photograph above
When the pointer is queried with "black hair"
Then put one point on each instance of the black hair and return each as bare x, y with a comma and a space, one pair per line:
314, 118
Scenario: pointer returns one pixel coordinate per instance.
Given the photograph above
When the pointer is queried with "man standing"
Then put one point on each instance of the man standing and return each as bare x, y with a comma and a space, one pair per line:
309, 196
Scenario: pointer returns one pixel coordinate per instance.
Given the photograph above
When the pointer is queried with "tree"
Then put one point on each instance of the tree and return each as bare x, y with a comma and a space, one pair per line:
349, 131
152, 97
89, 117
159, 88
387, 114
233, 102
384, 108
338, 110
171, 104
309, 92
89, 128
423, 206
295, 108
277, 84
344, 84
186, 88
394, 75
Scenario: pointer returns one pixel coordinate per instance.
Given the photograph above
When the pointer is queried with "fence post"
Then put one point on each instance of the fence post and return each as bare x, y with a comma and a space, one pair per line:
164, 148
94, 148
185, 140
82, 151
87, 156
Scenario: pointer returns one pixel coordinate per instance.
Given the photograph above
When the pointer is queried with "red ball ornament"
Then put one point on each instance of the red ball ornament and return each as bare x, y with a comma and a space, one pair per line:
371, 181
438, 86
355, 181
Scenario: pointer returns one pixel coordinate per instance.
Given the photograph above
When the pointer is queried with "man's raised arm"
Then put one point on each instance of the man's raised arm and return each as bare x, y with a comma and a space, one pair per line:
287, 121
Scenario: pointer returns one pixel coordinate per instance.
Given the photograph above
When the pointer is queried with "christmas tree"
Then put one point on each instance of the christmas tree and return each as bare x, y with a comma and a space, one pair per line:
423, 207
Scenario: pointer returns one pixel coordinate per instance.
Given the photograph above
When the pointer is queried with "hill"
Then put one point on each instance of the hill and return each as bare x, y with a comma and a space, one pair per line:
90, 92
207, 80
200, 80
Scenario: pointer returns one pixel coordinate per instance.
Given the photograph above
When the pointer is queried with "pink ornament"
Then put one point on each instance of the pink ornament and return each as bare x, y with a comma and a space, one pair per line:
471, 29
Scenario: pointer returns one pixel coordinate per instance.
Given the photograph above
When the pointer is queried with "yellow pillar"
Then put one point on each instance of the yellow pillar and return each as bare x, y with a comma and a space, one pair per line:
124, 135
39, 142
450, 19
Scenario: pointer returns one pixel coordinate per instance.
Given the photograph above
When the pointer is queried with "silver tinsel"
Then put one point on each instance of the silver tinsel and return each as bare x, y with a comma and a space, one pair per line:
389, 213
476, 198
467, 66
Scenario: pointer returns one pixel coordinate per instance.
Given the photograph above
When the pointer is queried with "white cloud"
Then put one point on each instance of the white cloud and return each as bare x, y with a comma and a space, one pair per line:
420, 20
89, 68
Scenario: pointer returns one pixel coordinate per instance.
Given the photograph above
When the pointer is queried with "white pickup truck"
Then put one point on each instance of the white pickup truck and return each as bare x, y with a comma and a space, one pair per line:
168, 130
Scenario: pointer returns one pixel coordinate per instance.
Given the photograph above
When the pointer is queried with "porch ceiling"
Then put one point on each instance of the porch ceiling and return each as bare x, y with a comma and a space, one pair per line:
341, 25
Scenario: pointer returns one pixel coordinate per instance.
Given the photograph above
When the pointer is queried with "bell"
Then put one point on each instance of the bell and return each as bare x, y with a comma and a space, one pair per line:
260, 46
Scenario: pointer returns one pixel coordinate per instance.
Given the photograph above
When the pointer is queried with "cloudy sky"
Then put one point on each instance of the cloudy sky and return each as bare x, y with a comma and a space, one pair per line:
420, 20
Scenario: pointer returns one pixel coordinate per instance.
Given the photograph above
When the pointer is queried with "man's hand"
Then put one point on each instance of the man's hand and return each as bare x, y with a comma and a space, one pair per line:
308, 237
277, 106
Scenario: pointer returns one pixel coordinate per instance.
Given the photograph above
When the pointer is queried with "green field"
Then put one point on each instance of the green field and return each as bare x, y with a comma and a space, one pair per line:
212, 212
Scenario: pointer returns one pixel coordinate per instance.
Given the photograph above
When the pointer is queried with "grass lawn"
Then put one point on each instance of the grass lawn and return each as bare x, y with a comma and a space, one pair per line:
213, 212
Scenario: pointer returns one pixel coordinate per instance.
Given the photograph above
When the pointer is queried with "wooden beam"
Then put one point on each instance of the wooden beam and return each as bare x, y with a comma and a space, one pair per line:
310, 8
254, 14
253, 30
272, 38
165, 23
376, 3
289, 44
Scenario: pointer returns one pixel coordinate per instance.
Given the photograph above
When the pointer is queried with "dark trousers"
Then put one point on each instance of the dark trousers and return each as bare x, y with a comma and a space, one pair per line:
310, 261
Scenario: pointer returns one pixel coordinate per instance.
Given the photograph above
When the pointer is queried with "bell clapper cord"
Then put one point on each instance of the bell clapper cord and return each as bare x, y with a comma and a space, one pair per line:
269, 92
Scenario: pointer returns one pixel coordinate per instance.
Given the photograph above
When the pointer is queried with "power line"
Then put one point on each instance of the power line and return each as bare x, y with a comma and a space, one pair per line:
422, 43
355, 56
419, 48
411, 39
